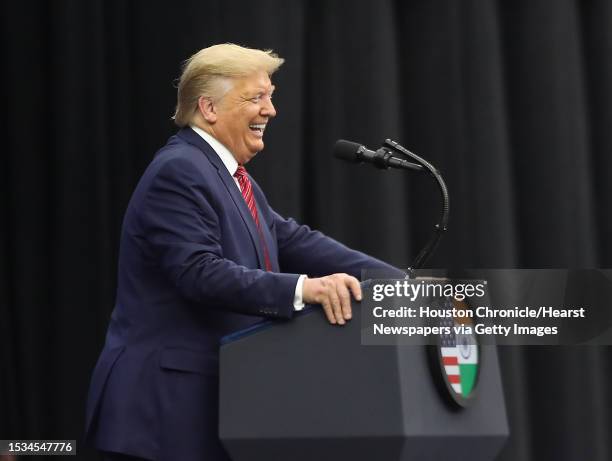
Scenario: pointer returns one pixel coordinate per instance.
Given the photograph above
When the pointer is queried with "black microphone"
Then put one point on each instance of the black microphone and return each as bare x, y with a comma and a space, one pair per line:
382, 158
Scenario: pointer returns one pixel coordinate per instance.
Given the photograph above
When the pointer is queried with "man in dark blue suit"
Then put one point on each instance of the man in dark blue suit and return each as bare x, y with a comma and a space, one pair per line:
203, 255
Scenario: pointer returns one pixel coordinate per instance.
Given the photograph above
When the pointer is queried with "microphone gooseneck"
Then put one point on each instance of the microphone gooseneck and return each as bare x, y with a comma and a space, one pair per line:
393, 155
442, 225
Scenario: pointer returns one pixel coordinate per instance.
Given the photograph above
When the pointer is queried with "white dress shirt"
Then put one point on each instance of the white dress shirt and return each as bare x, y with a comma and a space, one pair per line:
232, 165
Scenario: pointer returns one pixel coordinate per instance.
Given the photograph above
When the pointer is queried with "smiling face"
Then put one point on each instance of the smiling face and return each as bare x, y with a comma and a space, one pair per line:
238, 119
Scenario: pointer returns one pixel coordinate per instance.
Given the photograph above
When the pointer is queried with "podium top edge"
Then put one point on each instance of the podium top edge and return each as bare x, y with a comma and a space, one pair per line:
263, 325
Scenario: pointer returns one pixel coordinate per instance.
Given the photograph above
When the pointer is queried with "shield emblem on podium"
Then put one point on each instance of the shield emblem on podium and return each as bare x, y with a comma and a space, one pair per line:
457, 358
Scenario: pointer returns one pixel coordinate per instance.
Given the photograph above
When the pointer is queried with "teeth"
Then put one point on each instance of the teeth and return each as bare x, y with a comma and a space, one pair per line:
260, 126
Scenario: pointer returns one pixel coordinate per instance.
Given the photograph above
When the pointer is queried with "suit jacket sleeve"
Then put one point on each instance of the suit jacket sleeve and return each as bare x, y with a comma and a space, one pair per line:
181, 229
305, 251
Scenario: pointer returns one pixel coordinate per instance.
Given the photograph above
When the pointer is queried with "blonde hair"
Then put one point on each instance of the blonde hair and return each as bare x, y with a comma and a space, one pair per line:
206, 73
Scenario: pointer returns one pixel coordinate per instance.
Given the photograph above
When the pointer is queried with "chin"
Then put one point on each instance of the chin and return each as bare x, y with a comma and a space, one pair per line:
254, 150
247, 158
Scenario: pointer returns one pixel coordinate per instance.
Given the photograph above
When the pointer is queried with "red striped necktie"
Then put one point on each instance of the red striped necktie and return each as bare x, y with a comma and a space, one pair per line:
247, 192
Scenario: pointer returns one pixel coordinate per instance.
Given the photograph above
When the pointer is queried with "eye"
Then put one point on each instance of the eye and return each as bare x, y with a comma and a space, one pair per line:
257, 99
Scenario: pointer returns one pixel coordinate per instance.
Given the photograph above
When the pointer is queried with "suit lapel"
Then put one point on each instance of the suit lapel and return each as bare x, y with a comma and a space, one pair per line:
247, 218
193, 138
264, 218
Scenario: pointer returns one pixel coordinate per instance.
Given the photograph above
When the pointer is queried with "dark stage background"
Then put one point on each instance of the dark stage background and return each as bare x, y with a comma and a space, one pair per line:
512, 100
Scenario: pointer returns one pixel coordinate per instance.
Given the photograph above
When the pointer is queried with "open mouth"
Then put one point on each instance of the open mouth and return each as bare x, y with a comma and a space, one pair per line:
258, 128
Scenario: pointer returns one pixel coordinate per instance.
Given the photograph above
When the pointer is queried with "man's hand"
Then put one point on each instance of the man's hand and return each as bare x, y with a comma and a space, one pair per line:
332, 292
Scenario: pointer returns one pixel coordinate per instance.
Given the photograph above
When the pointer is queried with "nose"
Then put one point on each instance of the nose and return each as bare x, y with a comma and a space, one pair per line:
268, 109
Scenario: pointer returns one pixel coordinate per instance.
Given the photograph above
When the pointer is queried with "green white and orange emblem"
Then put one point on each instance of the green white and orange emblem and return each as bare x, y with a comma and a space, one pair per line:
459, 357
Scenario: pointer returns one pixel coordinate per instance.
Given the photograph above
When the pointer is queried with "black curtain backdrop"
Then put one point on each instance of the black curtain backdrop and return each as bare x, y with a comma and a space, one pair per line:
512, 100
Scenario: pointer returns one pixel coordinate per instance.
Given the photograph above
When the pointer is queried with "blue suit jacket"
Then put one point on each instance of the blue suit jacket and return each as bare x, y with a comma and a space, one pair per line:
190, 272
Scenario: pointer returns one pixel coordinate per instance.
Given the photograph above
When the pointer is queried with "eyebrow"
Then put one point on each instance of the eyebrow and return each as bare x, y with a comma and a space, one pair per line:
263, 90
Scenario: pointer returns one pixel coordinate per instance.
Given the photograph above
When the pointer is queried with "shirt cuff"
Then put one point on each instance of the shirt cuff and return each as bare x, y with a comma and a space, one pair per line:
298, 301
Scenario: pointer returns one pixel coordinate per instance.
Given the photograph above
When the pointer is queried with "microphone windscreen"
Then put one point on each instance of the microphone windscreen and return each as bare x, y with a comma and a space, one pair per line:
347, 150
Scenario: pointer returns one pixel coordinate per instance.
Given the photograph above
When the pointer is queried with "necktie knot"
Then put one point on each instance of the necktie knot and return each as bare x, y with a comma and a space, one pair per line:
241, 172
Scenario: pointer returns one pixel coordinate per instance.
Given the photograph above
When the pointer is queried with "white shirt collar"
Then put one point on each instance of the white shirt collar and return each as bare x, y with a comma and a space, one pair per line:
223, 152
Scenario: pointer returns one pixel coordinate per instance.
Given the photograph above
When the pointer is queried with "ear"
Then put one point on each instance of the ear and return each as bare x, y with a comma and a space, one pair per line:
207, 108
